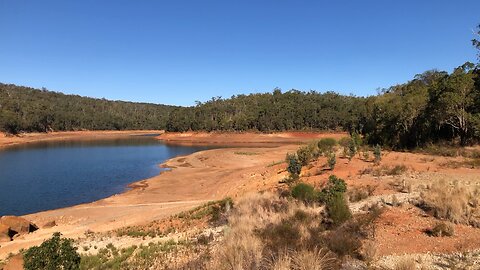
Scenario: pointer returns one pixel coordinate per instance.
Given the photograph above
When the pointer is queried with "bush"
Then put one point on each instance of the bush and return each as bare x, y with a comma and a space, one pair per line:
359, 193
357, 139
352, 149
343, 242
442, 229
326, 145
305, 155
304, 192
337, 209
332, 160
334, 185
377, 152
281, 236
453, 202
344, 142
294, 167
55, 253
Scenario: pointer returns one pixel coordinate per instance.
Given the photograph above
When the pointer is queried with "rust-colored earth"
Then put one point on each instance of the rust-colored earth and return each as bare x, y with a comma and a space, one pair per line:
215, 174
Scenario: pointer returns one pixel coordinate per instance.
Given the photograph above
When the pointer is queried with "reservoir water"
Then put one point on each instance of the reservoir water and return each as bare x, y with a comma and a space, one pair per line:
49, 175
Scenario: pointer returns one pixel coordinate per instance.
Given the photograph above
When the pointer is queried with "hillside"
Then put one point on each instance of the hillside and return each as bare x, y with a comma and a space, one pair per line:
25, 109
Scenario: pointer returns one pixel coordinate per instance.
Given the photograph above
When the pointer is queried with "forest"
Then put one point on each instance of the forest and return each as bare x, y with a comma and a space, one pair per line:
435, 106
24, 109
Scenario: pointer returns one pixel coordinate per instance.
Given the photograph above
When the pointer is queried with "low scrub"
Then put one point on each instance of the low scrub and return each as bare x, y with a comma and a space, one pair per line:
441, 229
454, 202
304, 192
271, 232
55, 253
326, 145
213, 210
389, 170
359, 193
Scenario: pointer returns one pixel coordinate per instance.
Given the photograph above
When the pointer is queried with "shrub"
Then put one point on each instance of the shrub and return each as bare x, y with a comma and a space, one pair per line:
305, 155
359, 193
334, 185
357, 139
281, 236
337, 209
442, 229
377, 152
352, 149
317, 259
304, 192
366, 155
326, 145
343, 242
55, 253
397, 170
332, 160
294, 167
451, 202
406, 264
344, 142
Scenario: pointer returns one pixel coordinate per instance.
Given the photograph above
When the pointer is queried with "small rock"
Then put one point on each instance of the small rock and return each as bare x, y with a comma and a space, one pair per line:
18, 224
5, 233
49, 224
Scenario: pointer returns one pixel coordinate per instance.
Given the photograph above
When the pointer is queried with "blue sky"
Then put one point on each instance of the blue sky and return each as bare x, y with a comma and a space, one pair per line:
176, 52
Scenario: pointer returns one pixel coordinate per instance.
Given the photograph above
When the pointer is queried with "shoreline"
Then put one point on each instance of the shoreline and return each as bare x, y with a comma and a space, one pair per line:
191, 181
28, 138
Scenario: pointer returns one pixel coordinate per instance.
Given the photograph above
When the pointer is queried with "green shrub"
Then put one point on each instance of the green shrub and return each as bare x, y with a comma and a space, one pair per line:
337, 209
334, 185
326, 145
377, 152
304, 192
357, 139
294, 167
352, 149
55, 253
304, 155
331, 160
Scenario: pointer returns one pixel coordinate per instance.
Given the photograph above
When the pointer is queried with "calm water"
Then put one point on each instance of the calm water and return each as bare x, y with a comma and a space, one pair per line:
51, 175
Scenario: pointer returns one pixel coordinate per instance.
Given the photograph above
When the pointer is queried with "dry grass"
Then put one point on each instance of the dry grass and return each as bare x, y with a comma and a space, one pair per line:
359, 193
442, 229
455, 202
270, 232
406, 264
287, 230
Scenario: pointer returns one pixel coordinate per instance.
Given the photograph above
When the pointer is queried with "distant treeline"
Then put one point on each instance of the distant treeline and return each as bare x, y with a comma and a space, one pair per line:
434, 106
24, 109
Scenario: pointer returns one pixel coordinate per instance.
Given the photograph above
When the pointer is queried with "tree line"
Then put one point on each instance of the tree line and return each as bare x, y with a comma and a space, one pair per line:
24, 109
434, 106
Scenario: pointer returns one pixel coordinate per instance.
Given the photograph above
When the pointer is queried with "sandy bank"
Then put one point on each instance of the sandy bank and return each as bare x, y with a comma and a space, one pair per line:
24, 138
245, 137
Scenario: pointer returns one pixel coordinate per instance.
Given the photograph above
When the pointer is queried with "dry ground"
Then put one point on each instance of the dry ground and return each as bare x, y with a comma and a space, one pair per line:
215, 174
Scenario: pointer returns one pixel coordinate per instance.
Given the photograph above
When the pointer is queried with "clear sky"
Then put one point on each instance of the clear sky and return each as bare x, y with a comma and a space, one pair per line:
176, 52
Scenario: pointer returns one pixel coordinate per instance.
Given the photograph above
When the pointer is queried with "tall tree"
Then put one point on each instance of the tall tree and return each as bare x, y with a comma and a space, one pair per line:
456, 101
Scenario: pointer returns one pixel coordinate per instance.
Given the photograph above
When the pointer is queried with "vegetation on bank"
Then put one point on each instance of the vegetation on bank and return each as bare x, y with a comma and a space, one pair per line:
24, 109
